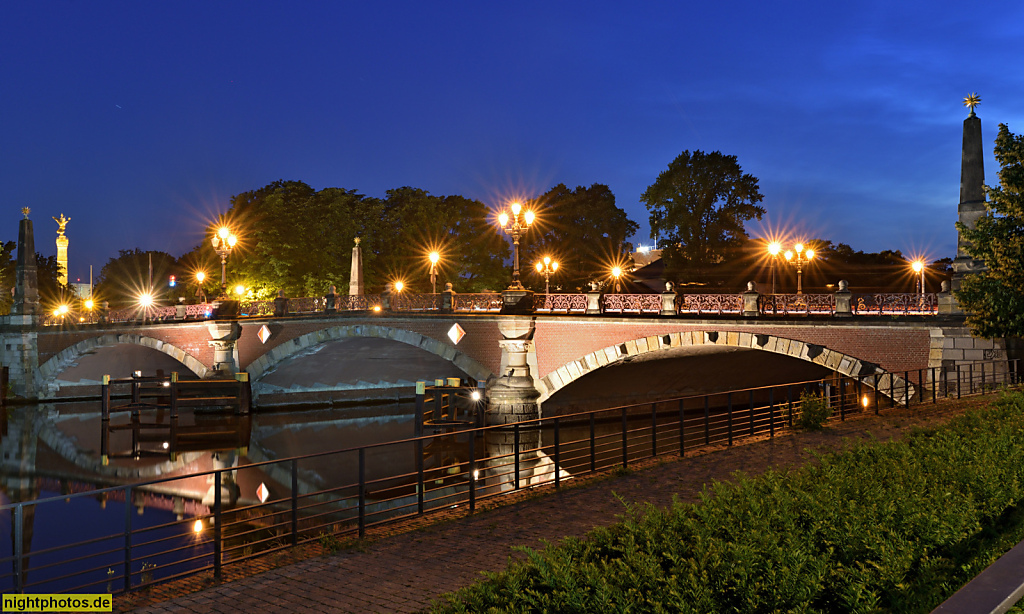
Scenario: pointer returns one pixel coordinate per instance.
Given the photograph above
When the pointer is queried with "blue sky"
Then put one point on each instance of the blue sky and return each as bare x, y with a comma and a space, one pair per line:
139, 120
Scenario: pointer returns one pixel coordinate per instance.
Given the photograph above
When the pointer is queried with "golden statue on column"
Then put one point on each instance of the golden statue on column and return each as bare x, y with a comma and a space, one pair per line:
62, 248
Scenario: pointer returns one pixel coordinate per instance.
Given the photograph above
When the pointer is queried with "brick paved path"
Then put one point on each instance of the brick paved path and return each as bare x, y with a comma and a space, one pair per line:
403, 572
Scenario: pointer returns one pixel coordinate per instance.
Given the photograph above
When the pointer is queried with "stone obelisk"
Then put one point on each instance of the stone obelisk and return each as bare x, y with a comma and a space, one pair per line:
355, 279
972, 191
26, 289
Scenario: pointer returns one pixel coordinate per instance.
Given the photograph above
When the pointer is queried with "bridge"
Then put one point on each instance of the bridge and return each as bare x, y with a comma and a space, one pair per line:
319, 351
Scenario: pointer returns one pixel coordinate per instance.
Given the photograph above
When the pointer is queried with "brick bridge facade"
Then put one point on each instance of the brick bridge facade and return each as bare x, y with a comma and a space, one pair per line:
549, 351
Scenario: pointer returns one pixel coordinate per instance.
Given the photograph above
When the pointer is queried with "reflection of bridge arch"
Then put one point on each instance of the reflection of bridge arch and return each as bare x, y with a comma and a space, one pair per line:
49, 370
810, 352
267, 362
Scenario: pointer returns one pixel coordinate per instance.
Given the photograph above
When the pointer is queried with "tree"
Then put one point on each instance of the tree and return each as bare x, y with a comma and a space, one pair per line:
8, 265
124, 278
994, 299
698, 206
583, 230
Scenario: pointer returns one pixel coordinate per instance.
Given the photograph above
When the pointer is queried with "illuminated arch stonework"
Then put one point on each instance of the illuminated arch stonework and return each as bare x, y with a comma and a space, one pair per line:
817, 354
57, 364
266, 363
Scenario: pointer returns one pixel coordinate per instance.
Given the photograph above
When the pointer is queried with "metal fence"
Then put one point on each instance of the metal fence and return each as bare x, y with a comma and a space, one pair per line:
264, 507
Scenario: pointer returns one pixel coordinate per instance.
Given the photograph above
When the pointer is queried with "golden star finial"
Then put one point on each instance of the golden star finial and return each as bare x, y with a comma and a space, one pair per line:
972, 101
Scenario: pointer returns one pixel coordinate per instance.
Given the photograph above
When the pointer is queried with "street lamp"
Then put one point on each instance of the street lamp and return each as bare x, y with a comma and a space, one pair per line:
200, 292
773, 249
434, 257
547, 267
617, 273
918, 267
223, 242
515, 227
799, 259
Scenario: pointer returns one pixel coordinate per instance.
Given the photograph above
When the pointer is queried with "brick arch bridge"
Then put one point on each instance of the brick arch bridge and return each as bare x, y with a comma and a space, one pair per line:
560, 348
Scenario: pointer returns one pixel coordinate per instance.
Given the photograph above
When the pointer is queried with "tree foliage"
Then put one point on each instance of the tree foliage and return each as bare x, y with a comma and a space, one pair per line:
583, 230
698, 207
299, 240
123, 279
994, 298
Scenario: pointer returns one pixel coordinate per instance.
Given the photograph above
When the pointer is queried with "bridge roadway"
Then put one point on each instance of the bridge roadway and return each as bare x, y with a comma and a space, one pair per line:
323, 357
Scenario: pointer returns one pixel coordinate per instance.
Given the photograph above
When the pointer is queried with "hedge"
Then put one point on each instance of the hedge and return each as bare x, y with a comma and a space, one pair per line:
894, 526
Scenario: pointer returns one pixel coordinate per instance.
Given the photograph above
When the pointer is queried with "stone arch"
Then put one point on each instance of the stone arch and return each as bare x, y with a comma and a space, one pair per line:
836, 361
266, 363
49, 370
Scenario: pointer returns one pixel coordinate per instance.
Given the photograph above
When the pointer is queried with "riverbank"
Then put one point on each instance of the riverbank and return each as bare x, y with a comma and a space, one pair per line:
402, 567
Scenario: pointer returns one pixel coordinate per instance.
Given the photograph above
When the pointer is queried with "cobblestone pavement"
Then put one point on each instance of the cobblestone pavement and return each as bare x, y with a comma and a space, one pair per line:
406, 568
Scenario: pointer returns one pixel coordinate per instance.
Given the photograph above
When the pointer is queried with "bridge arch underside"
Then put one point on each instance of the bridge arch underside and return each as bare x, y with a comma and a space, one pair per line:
347, 370
79, 369
656, 368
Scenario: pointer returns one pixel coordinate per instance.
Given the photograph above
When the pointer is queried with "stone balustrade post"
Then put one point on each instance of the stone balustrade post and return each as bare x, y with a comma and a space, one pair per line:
844, 300
668, 300
448, 299
947, 302
180, 310
331, 298
280, 305
225, 334
593, 300
751, 300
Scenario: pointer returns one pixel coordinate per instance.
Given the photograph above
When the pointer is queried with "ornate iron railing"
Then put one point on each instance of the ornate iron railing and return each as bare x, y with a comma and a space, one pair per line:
477, 303
895, 304
785, 304
415, 302
709, 303
565, 303
631, 303
256, 308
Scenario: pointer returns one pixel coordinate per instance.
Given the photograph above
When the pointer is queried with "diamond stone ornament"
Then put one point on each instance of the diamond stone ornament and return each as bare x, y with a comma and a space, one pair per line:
455, 333
264, 333
262, 492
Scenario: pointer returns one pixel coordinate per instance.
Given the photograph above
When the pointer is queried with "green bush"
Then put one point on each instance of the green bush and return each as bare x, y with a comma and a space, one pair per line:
894, 526
814, 412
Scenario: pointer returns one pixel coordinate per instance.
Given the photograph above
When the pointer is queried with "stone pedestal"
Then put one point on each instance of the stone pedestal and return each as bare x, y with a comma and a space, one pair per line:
750, 301
844, 300
447, 299
593, 302
280, 305
225, 334
668, 301
517, 301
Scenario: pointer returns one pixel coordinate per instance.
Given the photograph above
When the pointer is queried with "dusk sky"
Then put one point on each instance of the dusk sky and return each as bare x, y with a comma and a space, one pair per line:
139, 120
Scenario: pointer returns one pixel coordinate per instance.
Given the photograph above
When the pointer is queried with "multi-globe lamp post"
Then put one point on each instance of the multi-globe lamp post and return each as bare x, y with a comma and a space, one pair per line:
546, 267
514, 227
798, 257
223, 242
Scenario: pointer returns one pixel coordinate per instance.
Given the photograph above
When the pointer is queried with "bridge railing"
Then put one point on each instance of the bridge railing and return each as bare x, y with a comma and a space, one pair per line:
702, 304
294, 503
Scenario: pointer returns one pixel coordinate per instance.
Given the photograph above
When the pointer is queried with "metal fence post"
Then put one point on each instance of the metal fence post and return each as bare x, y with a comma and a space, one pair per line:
472, 472
558, 482
19, 551
362, 492
728, 397
935, 396
771, 412
127, 538
875, 393
625, 428
682, 429
751, 409
654, 429
515, 452
419, 477
958, 382
970, 377
707, 420
593, 444
295, 502
216, 526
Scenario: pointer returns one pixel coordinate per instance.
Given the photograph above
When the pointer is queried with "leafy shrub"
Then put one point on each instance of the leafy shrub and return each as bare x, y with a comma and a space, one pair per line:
895, 526
814, 411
